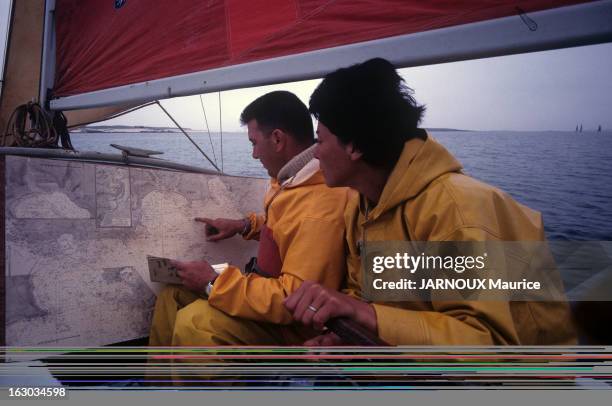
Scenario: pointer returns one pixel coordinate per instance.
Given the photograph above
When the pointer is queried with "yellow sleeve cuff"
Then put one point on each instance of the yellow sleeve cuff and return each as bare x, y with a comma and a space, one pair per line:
400, 326
256, 222
230, 273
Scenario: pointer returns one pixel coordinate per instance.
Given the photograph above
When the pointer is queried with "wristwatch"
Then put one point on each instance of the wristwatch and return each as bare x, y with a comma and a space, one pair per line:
208, 288
247, 226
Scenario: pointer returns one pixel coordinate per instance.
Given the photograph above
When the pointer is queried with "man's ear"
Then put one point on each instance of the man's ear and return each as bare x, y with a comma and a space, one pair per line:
352, 151
279, 139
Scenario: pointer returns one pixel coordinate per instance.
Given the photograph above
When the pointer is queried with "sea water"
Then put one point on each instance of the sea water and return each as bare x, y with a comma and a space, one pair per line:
564, 175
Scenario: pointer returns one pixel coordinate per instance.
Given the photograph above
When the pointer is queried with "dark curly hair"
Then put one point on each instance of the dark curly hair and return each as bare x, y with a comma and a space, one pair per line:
369, 105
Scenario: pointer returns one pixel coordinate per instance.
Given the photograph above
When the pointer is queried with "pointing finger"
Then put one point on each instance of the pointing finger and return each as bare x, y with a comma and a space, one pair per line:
203, 219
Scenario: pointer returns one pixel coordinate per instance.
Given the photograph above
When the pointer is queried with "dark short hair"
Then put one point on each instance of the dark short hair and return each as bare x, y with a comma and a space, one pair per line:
369, 105
282, 110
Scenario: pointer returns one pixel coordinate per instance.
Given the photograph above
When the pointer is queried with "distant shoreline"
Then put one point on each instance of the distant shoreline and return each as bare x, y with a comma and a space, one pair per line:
147, 129
446, 129
110, 129
96, 129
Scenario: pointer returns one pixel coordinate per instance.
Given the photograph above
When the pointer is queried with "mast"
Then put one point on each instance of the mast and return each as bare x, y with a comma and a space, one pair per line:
47, 69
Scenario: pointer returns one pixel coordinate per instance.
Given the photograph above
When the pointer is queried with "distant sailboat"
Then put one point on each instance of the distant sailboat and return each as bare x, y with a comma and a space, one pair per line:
599, 128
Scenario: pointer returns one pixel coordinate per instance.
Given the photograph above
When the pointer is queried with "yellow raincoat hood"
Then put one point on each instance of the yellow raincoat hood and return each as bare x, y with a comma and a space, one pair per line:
421, 163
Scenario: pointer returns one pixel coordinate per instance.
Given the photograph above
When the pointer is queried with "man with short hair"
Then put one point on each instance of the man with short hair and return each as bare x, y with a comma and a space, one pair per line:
412, 189
301, 238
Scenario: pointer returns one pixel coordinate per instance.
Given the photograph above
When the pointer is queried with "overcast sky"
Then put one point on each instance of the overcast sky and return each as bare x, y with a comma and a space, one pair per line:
553, 90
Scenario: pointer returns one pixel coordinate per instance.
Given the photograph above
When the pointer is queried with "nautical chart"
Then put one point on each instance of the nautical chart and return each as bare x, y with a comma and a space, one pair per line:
78, 235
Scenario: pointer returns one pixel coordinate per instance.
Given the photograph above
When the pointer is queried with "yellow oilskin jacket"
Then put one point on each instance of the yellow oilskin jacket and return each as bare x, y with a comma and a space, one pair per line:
307, 224
427, 198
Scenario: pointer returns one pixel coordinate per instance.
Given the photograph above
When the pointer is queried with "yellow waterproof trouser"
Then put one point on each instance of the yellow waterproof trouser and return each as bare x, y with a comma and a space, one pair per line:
182, 318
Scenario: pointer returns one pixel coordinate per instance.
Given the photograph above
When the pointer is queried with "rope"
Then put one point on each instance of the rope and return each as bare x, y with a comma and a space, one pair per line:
208, 128
61, 126
31, 126
45, 131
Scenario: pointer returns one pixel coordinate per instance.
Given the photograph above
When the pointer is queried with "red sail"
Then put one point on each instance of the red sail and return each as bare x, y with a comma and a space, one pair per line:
100, 46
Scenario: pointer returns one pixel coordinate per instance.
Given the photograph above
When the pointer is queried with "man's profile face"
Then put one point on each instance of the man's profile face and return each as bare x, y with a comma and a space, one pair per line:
333, 157
263, 148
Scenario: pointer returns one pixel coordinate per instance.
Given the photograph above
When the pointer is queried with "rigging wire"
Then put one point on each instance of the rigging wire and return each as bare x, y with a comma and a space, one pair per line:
112, 115
221, 130
214, 164
532, 25
188, 137
208, 128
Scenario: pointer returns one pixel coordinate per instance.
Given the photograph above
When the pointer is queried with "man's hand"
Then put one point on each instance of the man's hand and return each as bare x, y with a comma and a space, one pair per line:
313, 305
195, 275
220, 229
